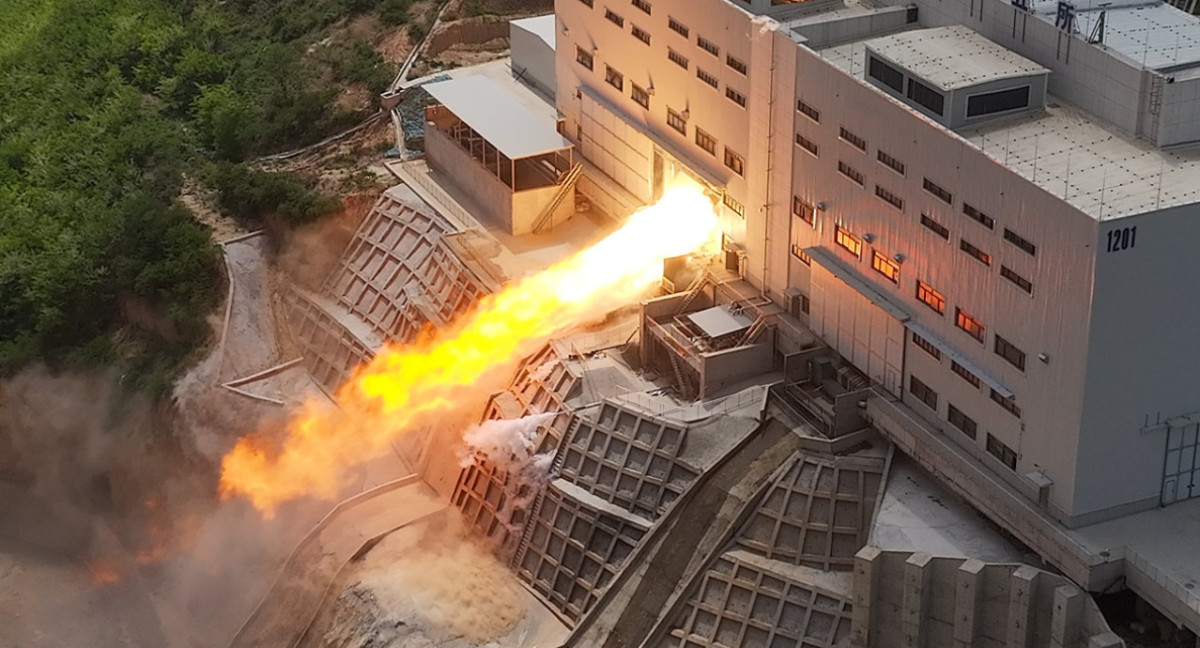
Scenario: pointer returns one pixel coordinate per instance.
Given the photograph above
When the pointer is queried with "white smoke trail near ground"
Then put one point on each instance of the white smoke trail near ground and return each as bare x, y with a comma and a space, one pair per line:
510, 444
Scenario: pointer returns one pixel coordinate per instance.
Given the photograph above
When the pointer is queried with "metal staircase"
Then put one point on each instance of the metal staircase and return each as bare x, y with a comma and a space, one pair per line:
565, 184
685, 385
693, 291
756, 329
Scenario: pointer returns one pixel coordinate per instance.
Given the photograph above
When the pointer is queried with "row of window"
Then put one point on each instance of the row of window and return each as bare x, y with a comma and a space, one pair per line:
676, 120
619, 20
962, 422
1003, 348
858, 177
706, 142
925, 293
676, 26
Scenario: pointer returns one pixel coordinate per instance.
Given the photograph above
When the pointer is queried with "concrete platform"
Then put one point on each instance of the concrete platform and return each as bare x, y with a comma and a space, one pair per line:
919, 514
1159, 547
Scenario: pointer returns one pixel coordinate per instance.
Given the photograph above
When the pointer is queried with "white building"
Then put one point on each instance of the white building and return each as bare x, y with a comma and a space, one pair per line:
988, 209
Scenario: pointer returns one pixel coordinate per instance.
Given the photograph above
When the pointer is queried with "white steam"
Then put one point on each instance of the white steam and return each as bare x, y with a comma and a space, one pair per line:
508, 443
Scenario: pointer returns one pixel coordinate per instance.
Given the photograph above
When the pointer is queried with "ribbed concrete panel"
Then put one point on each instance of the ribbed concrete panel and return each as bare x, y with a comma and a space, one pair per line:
575, 545
818, 513
629, 459
330, 351
398, 274
738, 604
492, 500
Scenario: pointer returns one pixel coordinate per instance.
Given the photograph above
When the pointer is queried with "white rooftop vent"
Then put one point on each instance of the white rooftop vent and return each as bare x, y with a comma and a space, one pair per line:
955, 75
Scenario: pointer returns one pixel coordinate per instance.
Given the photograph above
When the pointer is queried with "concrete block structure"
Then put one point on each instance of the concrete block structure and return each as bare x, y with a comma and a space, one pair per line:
396, 276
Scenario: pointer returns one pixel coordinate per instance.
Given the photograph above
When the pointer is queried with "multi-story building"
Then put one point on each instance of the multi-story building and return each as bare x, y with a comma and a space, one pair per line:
986, 207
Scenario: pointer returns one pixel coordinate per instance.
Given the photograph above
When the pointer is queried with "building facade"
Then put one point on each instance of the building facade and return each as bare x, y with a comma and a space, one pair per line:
968, 201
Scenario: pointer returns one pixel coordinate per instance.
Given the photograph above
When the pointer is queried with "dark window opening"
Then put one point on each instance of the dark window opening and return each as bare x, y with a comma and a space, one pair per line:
996, 102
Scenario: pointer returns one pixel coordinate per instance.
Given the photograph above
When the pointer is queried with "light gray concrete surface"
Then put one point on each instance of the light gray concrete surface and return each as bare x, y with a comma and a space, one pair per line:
919, 514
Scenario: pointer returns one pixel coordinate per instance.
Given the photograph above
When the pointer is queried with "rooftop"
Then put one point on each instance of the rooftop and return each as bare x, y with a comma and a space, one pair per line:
540, 26
498, 116
1063, 150
1154, 34
953, 57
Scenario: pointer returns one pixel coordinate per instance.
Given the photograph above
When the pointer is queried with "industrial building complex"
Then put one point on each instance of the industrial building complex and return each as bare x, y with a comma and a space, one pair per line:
937, 387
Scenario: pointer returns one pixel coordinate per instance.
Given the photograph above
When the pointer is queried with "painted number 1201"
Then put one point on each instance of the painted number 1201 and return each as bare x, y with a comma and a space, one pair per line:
1122, 239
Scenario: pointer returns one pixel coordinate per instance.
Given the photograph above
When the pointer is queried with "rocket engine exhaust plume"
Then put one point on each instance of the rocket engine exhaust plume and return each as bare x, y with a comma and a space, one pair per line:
408, 386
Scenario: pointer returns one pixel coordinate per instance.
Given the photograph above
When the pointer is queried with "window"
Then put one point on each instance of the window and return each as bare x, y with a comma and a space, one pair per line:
734, 206
942, 194
586, 2
805, 211
935, 227
737, 64
677, 58
922, 392
676, 121
1008, 403
735, 96
1020, 242
980, 255
978, 216
808, 111
994, 102
852, 139
708, 46
1002, 452
640, 96
926, 97
806, 144
890, 162
931, 297
583, 57
961, 421
706, 142
1010, 352
927, 347
735, 162
614, 78
972, 326
706, 77
677, 27
850, 172
848, 241
641, 34
889, 197
885, 266
643, 5
885, 74
614, 18
1018, 280
799, 253
965, 374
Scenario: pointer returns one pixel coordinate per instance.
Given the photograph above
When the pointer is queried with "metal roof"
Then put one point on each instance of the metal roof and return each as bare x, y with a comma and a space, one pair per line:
498, 116
953, 57
719, 321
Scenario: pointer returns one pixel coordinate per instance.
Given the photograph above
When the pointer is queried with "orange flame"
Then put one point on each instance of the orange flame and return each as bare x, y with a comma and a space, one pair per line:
102, 572
405, 387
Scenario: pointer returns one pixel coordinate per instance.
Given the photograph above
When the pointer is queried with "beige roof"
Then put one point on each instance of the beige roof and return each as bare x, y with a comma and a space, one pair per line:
953, 57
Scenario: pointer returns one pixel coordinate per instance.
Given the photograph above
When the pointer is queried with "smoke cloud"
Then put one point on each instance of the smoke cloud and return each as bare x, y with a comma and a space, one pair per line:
510, 444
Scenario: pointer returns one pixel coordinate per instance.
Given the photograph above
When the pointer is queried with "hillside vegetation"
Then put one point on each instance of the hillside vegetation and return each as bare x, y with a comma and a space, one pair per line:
105, 106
